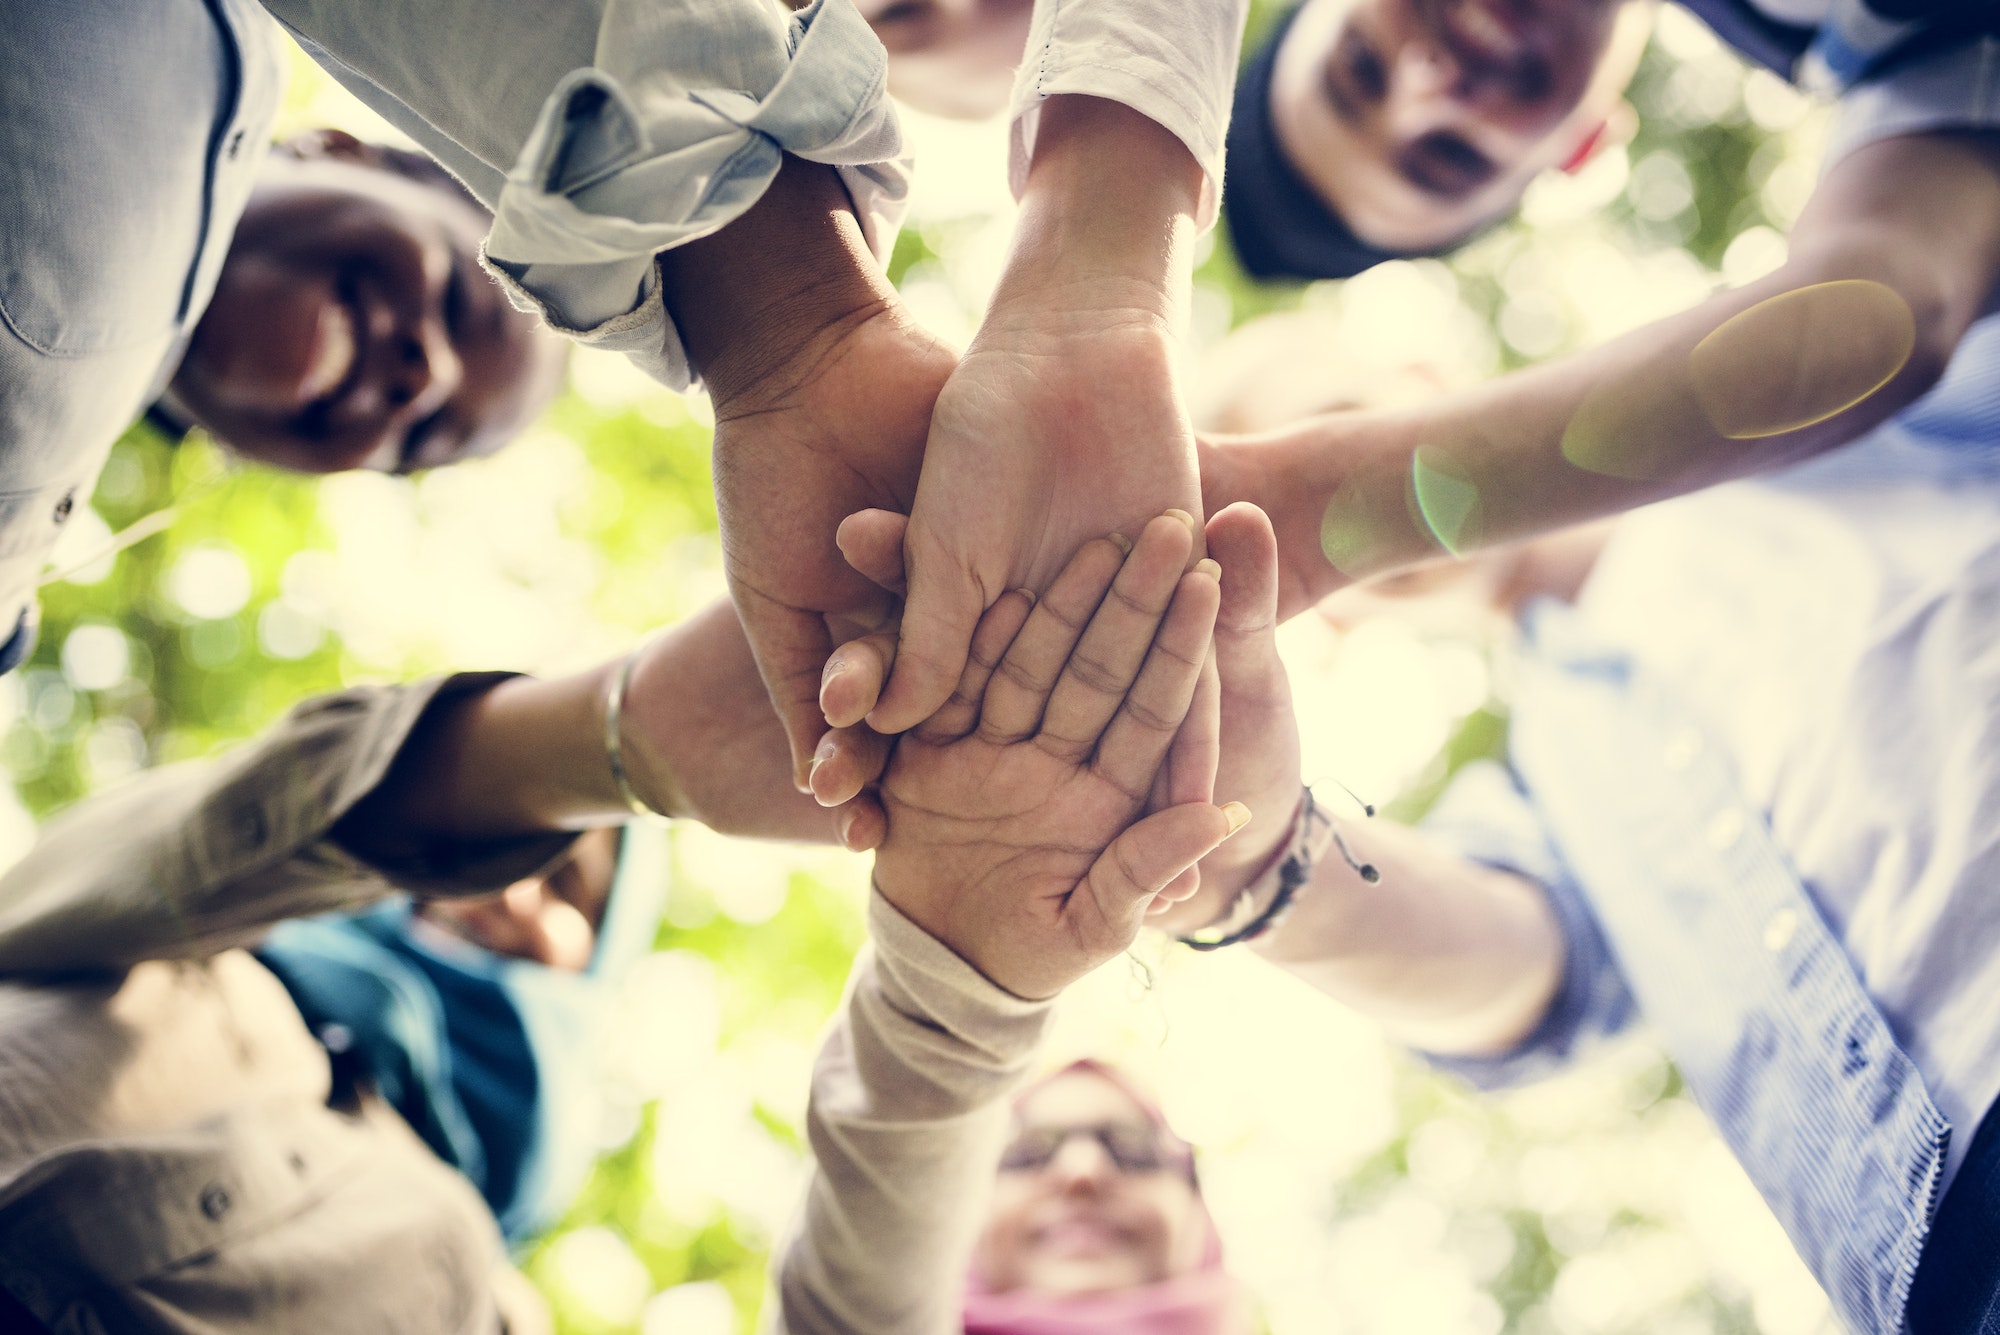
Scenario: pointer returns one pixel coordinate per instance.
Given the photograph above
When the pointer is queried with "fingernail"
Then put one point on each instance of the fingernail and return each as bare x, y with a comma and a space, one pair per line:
1207, 566
1236, 814
1121, 542
1029, 594
846, 826
1185, 518
834, 667
827, 746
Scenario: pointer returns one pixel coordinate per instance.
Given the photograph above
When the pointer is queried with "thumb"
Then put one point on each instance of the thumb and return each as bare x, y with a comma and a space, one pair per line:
938, 621
1144, 861
872, 542
791, 648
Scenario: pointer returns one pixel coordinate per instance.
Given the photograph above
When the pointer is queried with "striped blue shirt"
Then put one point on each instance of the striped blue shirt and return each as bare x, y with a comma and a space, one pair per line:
1756, 770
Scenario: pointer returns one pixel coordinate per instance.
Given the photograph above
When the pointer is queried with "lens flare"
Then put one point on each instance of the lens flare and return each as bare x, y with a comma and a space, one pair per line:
1801, 357
1447, 502
1364, 527
1784, 364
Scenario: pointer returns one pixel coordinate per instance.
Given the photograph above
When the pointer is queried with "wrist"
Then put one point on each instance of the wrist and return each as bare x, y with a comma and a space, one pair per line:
1107, 215
535, 755
767, 295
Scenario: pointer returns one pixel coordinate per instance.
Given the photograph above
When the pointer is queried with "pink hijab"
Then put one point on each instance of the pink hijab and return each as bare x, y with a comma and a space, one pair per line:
1204, 1301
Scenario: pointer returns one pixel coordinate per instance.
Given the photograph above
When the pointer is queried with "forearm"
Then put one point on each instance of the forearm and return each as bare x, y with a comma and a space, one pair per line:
698, 737
907, 1116
1449, 956
1173, 63
1107, 218
1888, 268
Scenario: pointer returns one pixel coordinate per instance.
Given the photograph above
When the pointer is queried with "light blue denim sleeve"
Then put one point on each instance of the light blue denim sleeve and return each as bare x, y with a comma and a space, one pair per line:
1486, 816
1956, 88
602, 132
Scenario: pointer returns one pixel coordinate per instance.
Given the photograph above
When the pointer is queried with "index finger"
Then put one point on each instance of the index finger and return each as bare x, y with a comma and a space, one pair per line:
1135, 744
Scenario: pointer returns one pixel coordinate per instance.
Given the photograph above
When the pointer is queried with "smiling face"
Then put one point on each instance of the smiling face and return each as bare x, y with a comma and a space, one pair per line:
1418, 121
353, 328
1068, 1217
951, 57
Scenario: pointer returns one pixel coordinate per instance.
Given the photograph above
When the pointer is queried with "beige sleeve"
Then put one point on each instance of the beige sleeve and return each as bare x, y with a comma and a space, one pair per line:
907, 1118
189, 859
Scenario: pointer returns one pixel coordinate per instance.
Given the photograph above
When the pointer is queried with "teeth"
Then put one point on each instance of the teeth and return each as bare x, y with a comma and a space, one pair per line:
333, 353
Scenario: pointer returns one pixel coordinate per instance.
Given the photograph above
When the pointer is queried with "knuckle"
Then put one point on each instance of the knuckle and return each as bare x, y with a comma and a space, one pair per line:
1019, 674
1097, 675
1132, 603
1069, 750
1149, 718
1054, 611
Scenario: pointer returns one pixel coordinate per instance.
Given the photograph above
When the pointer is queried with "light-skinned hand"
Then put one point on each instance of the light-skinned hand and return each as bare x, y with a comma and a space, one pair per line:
1015, 831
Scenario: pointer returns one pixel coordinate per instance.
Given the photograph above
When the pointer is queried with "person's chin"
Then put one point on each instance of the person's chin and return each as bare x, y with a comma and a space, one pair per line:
1083, 1276
1085, 1256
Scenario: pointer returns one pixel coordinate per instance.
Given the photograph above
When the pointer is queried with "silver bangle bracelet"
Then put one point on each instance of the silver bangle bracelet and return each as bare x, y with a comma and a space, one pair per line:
614, 745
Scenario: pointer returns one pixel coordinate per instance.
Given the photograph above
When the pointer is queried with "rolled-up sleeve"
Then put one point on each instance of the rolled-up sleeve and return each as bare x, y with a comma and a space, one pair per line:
1172, 61
602, 132
188, 860
1487, 817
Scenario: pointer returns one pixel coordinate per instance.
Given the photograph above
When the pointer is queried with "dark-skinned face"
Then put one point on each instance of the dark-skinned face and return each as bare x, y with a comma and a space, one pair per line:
1419, 120
353, 328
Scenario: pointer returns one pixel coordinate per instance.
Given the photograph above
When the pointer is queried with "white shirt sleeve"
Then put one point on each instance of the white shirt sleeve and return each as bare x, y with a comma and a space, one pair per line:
602, 132
907, 1119
1173, 61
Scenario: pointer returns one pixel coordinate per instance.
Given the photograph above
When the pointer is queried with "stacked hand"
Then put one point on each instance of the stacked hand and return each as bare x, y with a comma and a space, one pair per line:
1015, 830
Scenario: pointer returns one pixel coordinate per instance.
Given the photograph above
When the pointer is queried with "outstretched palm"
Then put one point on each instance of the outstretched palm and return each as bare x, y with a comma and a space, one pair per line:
1011, 834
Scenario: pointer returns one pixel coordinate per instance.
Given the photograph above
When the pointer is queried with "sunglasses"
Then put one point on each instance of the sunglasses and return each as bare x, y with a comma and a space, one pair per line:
1131, 1149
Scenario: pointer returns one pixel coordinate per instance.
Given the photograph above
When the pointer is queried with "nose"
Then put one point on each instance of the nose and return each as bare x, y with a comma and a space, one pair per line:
1427, 89
424, 369
1429, 84
1082, 1164
1425, 70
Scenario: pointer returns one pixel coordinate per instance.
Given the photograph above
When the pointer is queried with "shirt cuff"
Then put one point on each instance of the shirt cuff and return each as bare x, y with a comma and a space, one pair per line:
975, 1038
1486, 817
1172, 63
639, 153
1957, 88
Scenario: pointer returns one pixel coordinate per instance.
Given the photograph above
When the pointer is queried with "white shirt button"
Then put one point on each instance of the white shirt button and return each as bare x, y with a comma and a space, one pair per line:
1681, 750
1725, 829
1779, 931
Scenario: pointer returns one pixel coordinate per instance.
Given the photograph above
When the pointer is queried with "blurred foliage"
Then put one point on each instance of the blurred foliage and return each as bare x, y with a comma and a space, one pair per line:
265, 589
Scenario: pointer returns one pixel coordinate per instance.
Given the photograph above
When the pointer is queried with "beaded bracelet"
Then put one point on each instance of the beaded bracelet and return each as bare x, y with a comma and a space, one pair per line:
1312, 830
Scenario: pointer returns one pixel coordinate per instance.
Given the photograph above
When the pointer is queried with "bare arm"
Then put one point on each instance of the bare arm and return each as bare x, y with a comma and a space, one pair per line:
453, 788
700, 741
1890, 264
1448, 955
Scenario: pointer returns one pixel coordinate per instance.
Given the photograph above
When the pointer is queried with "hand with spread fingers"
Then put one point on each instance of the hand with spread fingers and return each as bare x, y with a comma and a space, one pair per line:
1015, 831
